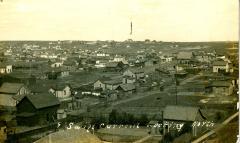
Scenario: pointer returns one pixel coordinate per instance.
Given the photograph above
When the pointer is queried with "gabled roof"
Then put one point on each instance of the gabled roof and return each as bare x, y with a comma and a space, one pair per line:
219, 63
19, 97
43, 100
127, 87
181, 113
11, 88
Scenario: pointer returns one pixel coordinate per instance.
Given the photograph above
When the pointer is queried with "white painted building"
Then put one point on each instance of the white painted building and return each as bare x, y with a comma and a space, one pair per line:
61, 91
5, 69
220, 66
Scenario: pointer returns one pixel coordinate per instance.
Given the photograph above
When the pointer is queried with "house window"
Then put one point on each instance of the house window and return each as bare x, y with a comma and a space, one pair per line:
64, 92
166, 128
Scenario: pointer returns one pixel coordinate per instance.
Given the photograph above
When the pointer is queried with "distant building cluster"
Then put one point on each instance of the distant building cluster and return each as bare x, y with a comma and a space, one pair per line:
147, 82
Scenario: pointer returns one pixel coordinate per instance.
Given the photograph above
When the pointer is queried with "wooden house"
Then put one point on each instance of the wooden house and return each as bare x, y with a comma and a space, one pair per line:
17, 90
184, 58
221, 88
134, 72
203, 57
99, 84
181, 115
70, 65
7, 101
61, 91
220, 66
107, 84
126, 88
38, 109
128, 79
114, 66
55, 73
112, 84
5, 68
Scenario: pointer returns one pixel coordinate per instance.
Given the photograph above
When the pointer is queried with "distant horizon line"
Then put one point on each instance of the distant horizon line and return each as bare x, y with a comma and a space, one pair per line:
119, 41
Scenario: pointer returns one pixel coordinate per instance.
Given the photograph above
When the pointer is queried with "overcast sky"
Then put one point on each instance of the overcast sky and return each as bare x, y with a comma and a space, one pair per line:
164, 20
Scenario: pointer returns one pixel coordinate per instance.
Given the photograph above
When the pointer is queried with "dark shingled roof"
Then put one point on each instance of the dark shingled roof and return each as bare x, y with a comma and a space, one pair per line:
219, 63
43, 100
127, 87
181, 113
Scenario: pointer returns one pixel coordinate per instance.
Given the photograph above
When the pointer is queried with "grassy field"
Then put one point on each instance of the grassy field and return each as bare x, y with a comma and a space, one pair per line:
122, 134
161, 100
154, 139
228, 134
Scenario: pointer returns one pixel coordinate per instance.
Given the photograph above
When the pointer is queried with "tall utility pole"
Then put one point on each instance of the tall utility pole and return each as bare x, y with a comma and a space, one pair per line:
175, 78
176, 88
163, 126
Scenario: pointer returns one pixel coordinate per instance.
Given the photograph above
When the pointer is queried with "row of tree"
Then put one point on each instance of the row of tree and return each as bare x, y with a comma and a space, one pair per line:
120, 118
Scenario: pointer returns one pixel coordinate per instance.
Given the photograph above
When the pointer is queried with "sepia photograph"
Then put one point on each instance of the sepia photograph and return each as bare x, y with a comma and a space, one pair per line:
119, 71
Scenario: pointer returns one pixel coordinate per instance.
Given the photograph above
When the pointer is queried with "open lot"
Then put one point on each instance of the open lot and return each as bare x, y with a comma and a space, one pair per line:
122, 134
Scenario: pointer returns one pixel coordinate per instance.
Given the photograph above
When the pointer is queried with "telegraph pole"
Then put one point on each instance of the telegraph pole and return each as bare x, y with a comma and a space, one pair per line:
175, 78
176, 89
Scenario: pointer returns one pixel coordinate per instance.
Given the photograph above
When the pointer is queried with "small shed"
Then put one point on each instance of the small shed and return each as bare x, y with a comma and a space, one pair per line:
175, 115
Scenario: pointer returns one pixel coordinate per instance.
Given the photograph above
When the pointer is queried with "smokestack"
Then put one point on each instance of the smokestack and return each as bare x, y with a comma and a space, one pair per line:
131, 28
